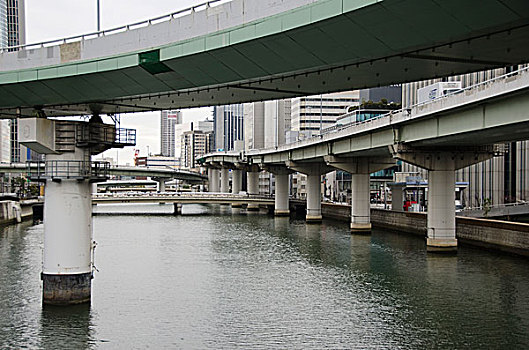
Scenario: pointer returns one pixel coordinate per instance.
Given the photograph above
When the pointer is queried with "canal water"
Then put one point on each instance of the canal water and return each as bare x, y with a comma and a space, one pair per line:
213, 279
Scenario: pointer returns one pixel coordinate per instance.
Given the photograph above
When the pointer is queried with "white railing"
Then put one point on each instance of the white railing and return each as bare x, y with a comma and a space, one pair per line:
496, 206
124, 28
182, 195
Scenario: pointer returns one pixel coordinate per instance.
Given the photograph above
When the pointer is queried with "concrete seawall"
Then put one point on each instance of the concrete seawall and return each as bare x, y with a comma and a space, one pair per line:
506, 236
12, 212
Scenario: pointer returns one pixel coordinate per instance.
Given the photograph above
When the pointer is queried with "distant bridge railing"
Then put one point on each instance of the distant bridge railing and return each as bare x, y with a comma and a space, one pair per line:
93, 35
190, 195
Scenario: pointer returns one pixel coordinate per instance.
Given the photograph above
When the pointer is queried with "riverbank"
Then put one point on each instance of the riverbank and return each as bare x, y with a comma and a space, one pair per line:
505, 236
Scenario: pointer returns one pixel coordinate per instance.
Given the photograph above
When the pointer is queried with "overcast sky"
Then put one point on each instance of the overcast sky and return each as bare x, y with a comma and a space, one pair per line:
52, 19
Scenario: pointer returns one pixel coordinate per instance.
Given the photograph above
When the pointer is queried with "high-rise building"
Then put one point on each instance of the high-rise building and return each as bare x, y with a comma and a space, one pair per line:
266, 123
311, 114
12, 33
228, 126
3, 23
168, 122
195, 141
254, 123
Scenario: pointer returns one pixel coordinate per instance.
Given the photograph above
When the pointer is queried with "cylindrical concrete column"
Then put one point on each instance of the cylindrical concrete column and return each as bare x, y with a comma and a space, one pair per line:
397, 203
253, 182
224, 180
252, 178
161, 185
68, 247
215, 180
177, 208
313, 198
441, 224
236, 181
281, 195
236, 185
360, 204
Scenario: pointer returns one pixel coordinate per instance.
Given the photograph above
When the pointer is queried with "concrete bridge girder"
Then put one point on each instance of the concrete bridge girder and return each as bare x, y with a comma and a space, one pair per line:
453, 158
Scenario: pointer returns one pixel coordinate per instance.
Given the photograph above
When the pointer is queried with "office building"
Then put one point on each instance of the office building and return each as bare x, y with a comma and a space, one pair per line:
311, 114
195, 141
195, 144
228, 126
12, 33
168, 122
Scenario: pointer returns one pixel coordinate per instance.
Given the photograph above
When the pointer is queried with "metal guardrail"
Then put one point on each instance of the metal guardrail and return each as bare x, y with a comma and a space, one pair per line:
106, 134
407, 110
68, 169
388, 119
93, 35
495, 206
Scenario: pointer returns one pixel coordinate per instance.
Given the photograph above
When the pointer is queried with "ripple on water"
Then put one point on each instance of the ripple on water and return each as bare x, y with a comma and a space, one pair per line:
223, 281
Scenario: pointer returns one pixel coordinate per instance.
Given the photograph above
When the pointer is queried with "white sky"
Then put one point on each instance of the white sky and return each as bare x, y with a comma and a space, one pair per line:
53, 19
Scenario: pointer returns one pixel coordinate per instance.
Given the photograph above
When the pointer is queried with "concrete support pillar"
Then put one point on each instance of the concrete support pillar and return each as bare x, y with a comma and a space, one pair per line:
397, 199
161, 185
177, 208
236, 185
253, 188
224, 180
236, 181
360, 203
313, 198
360, 169
253, 182
281, 195
441, 224
215, 180
441, 166
68, 245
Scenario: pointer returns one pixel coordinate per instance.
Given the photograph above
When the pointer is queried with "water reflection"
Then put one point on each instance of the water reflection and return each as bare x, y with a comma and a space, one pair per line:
223, 281
66, 327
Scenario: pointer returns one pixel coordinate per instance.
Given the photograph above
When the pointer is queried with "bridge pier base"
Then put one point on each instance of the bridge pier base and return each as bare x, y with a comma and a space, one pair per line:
281, 196
68, 246
253, 188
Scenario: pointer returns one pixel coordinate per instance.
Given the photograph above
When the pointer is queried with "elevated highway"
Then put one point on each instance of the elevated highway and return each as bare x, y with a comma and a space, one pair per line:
441, 136
159, 173
252, 202
248, 50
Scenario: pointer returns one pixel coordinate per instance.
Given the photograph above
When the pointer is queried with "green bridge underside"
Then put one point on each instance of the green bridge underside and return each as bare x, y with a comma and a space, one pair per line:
330, 45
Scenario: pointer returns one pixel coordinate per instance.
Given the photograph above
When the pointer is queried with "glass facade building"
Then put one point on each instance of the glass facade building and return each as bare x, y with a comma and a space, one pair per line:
228, 126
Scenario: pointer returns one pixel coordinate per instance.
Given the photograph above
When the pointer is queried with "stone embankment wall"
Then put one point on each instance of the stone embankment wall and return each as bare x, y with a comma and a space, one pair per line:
512, 237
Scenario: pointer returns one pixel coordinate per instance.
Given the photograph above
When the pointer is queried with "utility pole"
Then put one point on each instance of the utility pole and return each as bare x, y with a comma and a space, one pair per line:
98, 16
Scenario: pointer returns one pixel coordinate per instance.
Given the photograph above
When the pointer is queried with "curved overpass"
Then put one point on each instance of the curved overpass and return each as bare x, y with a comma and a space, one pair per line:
249, 50
167, 173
